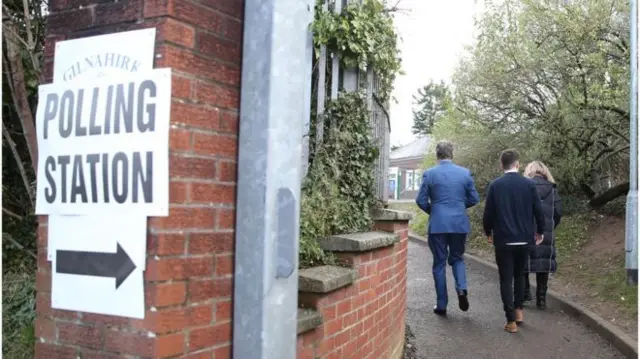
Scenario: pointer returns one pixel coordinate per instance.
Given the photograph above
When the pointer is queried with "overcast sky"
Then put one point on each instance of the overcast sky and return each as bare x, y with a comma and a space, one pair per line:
433, 34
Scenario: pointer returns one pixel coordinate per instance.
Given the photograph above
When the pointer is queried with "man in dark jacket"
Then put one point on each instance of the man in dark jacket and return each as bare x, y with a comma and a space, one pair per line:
513, 217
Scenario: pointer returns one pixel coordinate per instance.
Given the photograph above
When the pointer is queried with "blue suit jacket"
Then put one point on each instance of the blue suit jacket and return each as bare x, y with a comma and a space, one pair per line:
447, 190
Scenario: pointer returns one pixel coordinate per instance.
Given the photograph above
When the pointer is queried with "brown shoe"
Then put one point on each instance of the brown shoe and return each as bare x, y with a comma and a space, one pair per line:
511, 327
519, 316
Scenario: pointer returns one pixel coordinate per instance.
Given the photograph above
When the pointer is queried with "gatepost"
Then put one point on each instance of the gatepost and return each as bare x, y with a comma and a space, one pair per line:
276, 86
189, 265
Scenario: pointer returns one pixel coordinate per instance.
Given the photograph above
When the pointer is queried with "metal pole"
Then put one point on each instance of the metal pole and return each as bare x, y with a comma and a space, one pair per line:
631, 233
275, 80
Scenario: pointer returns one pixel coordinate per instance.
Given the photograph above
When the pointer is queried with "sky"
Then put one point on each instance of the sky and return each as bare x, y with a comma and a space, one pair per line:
433, 35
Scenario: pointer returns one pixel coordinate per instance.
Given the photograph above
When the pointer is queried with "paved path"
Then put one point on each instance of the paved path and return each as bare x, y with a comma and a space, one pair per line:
478, 333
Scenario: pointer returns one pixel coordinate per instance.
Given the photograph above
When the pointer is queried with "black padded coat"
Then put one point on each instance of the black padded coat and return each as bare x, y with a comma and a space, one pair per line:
542, 258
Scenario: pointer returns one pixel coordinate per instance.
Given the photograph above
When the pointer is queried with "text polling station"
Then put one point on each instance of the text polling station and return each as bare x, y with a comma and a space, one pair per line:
103, 145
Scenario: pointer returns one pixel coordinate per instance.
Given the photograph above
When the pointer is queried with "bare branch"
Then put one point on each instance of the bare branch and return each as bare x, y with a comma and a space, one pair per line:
12, 214
8, 237
396, 8
30, 38
14, 36
16, 155
20, 98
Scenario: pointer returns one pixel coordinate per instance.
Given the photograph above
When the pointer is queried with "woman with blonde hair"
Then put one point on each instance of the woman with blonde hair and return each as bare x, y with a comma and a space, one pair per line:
542, 258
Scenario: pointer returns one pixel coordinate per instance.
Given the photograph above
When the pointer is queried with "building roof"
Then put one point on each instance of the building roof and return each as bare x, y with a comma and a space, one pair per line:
417, 148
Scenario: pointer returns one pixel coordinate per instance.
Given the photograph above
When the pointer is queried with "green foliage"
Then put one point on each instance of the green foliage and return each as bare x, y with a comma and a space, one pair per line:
338, 194
362, 34
430, 105
18, 314
552, 80
420, 222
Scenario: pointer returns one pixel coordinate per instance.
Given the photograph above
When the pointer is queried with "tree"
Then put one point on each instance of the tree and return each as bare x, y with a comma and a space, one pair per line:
429, 107
552, 79
22, 57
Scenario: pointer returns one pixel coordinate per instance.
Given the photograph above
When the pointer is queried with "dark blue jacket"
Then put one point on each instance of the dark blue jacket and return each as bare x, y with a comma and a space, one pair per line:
447, 190
513, 212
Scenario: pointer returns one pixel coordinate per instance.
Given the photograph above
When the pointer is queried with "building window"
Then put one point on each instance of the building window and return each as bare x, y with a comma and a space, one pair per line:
417, 180
409, 184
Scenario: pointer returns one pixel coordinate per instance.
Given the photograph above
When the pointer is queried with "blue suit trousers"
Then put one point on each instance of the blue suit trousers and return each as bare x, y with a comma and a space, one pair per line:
448, 248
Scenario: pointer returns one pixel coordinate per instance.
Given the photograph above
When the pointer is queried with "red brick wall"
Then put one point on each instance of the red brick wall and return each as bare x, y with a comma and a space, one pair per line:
367, 319
189, 275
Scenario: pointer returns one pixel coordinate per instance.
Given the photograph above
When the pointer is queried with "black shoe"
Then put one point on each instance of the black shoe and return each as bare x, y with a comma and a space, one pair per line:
541, 302
440, 312
528, 297
463, 300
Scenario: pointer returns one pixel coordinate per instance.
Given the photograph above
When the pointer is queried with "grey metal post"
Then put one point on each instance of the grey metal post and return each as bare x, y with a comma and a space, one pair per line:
631, 233
274, 83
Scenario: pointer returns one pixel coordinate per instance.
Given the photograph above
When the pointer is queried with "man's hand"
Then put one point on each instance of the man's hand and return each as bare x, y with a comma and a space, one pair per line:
490, 239
539, 239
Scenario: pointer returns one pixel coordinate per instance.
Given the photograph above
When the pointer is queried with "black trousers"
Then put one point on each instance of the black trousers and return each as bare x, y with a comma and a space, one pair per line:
542, 282
511, 261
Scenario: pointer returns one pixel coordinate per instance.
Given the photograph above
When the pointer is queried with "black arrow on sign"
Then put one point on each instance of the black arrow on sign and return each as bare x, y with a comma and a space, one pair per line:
116, 265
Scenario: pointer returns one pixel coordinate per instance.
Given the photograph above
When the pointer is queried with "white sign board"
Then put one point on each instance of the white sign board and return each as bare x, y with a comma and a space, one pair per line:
96, 271
104, 55
103, 145
95, 57
92, 272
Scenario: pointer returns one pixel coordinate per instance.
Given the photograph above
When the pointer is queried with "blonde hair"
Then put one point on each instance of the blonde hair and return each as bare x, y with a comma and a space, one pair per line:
537, 168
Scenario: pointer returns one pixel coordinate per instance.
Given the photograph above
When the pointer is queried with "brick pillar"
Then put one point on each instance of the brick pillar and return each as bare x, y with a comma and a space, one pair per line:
189, 275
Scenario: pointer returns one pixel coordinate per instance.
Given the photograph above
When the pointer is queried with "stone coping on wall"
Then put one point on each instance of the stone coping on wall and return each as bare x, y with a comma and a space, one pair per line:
358, 242
308, 319
384, 214
325, 279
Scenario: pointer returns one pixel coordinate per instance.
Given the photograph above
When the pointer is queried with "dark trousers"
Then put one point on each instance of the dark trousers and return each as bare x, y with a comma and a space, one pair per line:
542, 281
511, 261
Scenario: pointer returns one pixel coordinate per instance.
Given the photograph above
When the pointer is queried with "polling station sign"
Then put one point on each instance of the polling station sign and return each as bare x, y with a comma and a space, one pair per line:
104, 145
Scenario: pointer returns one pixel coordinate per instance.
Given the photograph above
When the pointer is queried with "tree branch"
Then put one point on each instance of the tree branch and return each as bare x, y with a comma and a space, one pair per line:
16, 156
609, 195
8, 237
12, 214
20, 97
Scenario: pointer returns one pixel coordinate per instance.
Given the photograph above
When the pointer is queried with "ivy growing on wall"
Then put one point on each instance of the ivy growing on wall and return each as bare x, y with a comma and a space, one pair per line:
361, 34
338, 192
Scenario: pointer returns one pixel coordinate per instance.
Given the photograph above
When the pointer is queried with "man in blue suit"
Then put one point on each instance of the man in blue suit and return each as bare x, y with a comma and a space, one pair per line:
447, 190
